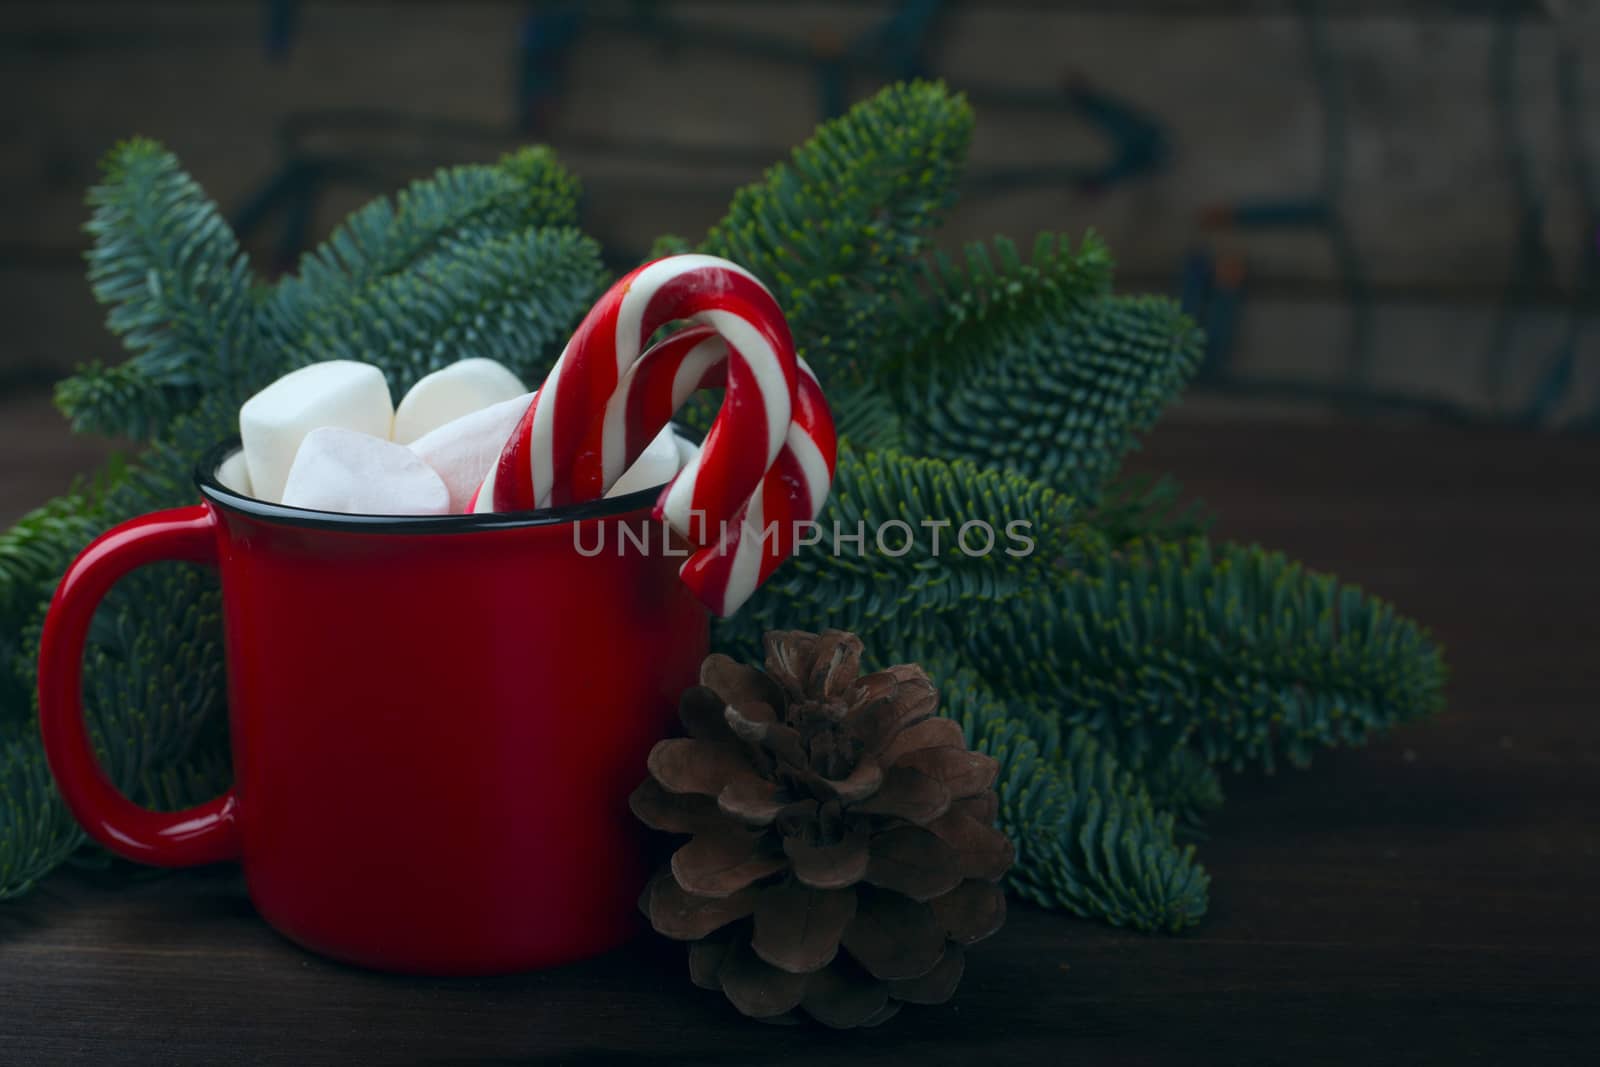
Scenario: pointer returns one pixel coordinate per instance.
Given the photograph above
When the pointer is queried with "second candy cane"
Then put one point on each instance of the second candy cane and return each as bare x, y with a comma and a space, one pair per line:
734, 556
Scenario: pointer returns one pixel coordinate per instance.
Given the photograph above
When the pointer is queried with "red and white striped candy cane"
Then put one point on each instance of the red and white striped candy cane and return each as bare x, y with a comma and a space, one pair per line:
734, 555
536, 468
724, 573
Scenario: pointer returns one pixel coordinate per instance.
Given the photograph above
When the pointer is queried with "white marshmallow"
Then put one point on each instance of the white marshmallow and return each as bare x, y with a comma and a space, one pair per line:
359, 474
234, 474
275, 421
462, 450
448, 394
655, 465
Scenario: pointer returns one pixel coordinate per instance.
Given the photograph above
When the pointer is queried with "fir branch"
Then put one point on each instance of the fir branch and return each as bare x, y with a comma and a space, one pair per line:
1057, 394
37, 832
153, 677
1188, 787
527, 189
1088, 838
1235, 651
1132, 509
866, 420
890, 596
512, 298
32, 553
830, 229
948, 307
668, 244
122, 399
180, 292
154, 702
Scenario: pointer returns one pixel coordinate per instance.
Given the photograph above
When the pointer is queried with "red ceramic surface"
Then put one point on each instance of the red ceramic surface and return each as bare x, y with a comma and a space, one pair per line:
436, 723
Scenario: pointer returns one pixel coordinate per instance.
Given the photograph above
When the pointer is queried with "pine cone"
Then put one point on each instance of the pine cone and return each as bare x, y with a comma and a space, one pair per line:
843, 847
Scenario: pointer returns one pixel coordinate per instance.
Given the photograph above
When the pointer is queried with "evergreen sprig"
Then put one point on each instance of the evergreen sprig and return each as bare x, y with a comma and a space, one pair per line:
1058, 390
527, 189
918, 576
1237, 652
179, 289
947, 303
833, 230
1088, 838
475, 255
1113, 670
37, 832
508, 297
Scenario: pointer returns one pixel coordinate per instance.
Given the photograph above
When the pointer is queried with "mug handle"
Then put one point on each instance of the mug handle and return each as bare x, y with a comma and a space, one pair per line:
208, 833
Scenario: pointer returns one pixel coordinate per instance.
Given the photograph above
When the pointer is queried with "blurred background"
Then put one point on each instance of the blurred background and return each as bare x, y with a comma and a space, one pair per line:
1378, 209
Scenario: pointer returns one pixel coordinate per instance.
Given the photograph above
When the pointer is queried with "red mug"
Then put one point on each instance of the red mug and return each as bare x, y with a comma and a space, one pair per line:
436, 721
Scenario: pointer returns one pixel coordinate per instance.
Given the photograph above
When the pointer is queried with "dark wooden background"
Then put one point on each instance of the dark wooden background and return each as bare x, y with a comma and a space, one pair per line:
1428, 190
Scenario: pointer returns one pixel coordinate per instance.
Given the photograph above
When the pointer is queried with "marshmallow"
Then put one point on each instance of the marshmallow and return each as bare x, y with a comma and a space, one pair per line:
276, 420
655, 465
234, 474
462, 450
446, 395
358, 474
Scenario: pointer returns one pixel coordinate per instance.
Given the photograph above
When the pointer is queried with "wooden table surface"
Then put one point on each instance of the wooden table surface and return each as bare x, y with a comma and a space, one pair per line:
1433, 898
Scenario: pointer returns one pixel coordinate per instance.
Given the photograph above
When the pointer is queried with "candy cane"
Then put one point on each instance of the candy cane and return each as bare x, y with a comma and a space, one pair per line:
764, 534
535, 469
767, 462
734, 556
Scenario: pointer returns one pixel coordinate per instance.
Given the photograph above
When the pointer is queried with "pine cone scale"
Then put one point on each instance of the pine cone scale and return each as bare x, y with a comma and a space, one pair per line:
797, 929
753, 801
908, 794
688, 765
930, 733
893, 937
935, 987
756, 987
915, 862
830, 866
684, 916
962, 772
737, 683
971, 911
672, 812
720, 864
984, 852
845, 997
